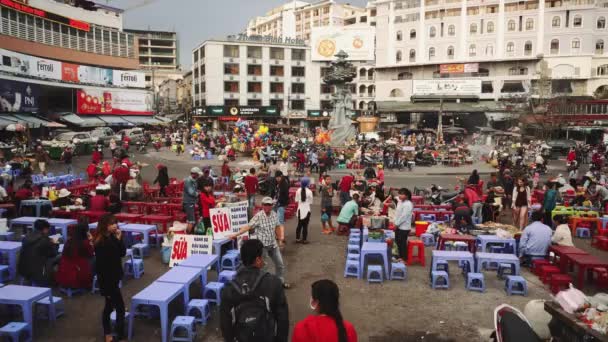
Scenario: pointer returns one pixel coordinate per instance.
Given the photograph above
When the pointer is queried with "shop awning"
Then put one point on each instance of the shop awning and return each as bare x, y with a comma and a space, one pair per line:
174, 117
115, 120
6, 120
163, 119
83, 121
30, 120
142, 120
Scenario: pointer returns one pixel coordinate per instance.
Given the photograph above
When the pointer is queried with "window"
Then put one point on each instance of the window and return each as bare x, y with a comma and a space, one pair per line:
431, 53
297, 104
362, 89
577, 21
529, 24
326, 105
490, 28
510, 48
473, 28
561, 86
450, 52
254, 87
432, 32
602, 70
231, 69
276, 70
472, 50
254, 70
486, 87
298, 55
396, 93
511, 25
556, 22
412, 34
599, 47
451, 30
412, 55
399, 36
404, 76
512, 87
277, 103
297, 88
528, 48
554, 46
231, 51
298, 71
601, 22
398, 19
398, 56
576, 45
277, 53
254, 52
231, 102
231, 87
514, 71
326, 88
254, 103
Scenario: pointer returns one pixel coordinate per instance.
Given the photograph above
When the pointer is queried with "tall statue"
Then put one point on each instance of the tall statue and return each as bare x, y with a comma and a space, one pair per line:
340, 76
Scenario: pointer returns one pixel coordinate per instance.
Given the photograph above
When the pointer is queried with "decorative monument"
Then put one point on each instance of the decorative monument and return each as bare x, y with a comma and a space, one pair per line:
341, 75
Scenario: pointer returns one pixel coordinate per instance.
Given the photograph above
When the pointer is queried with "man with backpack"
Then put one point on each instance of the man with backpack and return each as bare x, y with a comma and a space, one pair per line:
253, 306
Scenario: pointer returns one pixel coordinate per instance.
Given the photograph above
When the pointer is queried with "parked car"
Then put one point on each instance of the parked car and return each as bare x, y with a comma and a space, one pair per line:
560, 146
103, 135
136, 134
67, 138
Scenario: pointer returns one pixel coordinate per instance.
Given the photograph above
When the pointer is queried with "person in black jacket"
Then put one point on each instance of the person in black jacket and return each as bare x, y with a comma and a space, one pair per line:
269, 287
39, 254
162, 179
109, 250
282, 196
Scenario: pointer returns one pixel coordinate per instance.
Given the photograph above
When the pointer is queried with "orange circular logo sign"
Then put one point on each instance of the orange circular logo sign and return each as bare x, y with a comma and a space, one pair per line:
357, 43
326, 48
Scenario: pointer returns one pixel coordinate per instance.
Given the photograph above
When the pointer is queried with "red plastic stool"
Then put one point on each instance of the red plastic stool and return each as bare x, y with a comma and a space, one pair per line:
410, 252
537, 264
547, 271
559, 282
600, 242
343, 229
602, 277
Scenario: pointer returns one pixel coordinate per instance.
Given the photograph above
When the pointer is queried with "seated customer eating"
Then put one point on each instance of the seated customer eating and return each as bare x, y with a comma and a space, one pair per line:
535, 240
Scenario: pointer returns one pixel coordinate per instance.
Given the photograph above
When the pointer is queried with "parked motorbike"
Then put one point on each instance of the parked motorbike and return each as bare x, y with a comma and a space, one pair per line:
512, 326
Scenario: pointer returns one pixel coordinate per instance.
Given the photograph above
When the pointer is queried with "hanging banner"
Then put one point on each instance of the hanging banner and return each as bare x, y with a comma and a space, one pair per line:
229, 219
46, 68
114, 102
93, 75
447, 87
187, 245
357, 42
18, 96
129, 79
69, 72
458, 68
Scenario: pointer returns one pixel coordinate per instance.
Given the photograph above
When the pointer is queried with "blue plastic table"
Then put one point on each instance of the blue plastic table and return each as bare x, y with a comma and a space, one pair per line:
217, 249
484, 240
93, 226
27, 221
144, 229
158, 294
185, 276
26, 297
11, 247
438, 256
500, 258
201, 261
63, 224
376, 248
38, 203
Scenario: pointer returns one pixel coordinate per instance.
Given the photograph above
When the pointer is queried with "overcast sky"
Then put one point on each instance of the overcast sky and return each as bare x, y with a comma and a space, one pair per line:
197, 20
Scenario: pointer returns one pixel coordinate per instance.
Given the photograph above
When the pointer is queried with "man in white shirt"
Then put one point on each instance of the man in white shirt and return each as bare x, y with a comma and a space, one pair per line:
403, 222
3, 194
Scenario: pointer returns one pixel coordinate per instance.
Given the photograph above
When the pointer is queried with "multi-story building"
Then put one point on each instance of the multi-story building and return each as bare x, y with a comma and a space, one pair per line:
184, 94
72, 63
508, 45
158, 53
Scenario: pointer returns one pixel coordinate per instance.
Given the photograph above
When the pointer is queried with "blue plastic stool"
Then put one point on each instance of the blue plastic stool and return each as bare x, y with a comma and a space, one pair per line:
516, 285
71, 292
428, 239
201, 310
583, 232
183, 329
233, 251
134, 267
440, 280
442, 265
226, 276
497, 249
353, 249
355, 231
354, 241
353, 256
230, 262
389, 234
3, 269
139, 250
398, 271
503, 267
475, 282
45, 304
428, 217
461, 246
352, 269
16, 330
374, 274
214, 288
8, 236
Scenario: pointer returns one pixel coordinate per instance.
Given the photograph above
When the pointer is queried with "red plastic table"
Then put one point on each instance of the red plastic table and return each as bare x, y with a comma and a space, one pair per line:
583, 264
562, 253
130, 218
154, 219
469, 239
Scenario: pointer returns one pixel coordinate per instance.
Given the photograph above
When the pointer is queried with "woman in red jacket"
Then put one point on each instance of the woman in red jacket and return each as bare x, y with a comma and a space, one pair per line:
327, 325
207, 201
75, 265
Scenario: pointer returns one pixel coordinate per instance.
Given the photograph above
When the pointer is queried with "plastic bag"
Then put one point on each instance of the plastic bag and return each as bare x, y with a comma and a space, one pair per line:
571, 299
199, 229
432, 228
324, 217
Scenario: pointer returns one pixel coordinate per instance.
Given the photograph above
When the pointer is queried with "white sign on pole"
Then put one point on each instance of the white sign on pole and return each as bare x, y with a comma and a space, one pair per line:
357, 42
187, 245
447, 87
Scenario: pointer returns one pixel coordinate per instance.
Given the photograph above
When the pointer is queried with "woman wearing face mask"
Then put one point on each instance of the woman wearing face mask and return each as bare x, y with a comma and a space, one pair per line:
327, 325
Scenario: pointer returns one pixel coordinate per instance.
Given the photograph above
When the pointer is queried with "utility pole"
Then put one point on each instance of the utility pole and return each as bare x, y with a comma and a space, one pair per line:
440, 121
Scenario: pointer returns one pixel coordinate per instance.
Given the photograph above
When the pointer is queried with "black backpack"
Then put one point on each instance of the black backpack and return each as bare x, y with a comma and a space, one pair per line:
252, 318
